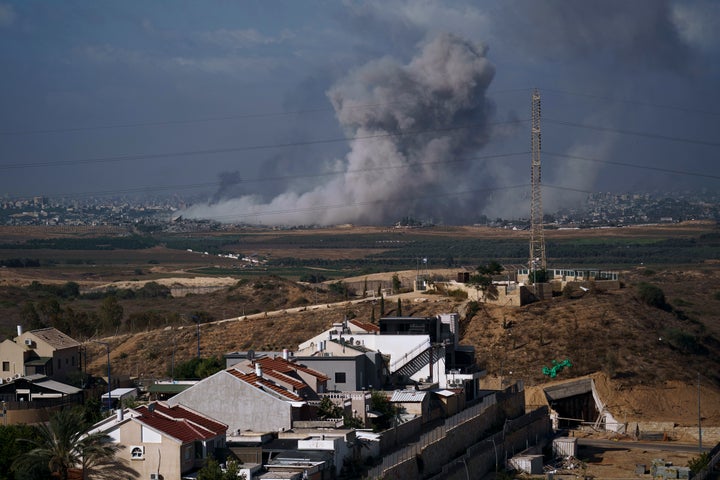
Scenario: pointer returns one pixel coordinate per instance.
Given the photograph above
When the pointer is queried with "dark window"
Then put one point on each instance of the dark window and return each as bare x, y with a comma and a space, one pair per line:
6, 366
59, 364
339, 377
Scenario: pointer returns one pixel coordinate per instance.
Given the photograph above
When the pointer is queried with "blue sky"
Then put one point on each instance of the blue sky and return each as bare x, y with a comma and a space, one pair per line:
252, 105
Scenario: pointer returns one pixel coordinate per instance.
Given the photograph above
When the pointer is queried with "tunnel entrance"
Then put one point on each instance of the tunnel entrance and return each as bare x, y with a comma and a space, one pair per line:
574, 403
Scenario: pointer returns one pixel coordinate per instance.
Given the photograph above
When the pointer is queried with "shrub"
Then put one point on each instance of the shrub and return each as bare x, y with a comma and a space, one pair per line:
652, 295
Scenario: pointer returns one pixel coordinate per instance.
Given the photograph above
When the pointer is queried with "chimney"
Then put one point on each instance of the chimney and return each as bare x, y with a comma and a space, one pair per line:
258, 370
285, 354
120, 414
19, 330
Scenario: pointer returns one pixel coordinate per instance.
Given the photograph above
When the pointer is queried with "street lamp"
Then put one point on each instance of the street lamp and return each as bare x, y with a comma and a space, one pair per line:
107, 348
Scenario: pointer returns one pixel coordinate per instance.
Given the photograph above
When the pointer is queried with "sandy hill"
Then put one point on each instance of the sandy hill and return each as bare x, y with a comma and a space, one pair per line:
648, 357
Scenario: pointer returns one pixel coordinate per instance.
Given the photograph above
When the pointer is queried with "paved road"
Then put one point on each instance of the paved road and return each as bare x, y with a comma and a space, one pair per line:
667, 446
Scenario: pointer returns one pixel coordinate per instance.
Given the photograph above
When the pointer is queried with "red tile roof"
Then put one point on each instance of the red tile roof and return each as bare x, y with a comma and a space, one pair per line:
263, 384
368, 327
179, 422
284, 366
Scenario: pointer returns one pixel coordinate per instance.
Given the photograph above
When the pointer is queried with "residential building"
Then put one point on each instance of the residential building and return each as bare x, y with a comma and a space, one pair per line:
249, 397
162, 441
30, 399
46, 351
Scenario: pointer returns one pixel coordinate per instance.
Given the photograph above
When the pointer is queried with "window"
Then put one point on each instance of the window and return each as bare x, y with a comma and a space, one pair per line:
6, 366
339, 377
137, 452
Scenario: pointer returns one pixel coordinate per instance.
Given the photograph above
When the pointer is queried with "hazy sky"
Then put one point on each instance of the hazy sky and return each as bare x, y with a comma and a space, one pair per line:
357, 111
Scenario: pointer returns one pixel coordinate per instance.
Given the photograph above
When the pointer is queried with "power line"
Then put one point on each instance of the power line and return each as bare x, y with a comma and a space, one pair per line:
240, 116
632, 165
179, 122
631, 102
635, 133
215, 151
286, 177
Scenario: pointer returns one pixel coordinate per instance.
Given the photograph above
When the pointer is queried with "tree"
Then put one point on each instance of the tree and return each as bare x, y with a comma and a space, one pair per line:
111, 313
382, 305
64, 444
483, 279
197, 368
30, 317
380, 403
538, 276
364, 294
396, 284
399, 308
213, 471
327, 409
11, 449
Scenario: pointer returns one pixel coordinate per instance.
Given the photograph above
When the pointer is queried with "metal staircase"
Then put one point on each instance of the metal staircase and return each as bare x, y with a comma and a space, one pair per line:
414, 365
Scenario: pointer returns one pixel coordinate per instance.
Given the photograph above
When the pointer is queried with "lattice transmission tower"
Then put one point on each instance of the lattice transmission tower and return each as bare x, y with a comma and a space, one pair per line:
537, 259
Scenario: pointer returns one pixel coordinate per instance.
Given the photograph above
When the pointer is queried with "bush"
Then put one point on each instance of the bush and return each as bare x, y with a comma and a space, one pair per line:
652, 295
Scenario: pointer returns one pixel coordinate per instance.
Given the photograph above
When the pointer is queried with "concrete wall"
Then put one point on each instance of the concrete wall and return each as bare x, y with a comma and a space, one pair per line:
233, 402
11, 357
450, 441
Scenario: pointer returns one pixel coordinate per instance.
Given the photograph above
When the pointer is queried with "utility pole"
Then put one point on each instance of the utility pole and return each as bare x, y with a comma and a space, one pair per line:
537, 236
699, 418
197, 319
107, 348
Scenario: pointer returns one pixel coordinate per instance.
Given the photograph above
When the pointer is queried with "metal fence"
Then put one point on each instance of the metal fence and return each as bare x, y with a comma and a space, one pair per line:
714, 460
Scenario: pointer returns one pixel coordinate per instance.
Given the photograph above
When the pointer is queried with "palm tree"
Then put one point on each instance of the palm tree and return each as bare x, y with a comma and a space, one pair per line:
63, 444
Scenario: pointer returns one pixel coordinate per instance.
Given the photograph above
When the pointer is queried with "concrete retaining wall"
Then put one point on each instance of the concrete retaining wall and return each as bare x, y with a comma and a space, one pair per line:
446, 444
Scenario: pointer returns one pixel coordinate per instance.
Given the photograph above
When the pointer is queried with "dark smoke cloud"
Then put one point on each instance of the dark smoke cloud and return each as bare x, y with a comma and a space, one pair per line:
425, 114
228, 182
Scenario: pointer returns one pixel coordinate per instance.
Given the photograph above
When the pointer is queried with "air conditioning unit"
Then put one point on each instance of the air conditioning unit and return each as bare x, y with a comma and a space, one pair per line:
154, 476
137, 452
29, 342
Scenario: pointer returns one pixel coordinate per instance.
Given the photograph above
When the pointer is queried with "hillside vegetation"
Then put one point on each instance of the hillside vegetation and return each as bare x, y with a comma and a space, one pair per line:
653, 335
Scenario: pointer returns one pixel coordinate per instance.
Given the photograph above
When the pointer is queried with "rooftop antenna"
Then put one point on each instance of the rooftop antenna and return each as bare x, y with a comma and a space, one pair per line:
537, 237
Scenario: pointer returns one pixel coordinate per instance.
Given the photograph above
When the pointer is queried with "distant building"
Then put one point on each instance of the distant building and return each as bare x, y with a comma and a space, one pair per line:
46, 351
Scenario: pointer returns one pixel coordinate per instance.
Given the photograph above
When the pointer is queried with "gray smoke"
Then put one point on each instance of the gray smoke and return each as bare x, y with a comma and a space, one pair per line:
409, 149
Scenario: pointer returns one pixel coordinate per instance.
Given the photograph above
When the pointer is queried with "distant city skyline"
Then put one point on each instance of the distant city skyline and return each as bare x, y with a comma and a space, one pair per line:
324, 112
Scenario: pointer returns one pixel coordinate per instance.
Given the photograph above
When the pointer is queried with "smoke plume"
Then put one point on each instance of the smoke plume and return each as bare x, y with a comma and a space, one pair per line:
412, 127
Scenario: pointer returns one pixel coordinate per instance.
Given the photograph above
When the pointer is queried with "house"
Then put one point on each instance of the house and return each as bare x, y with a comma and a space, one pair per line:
46, 351
401, 351
347, 365
119, 397
248, 398
302, 380
30, 399
162, 441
